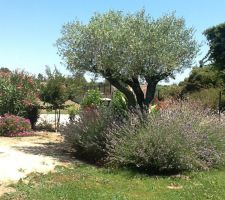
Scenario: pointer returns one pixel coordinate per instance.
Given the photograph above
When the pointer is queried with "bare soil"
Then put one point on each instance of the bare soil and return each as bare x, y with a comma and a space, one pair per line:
20, 156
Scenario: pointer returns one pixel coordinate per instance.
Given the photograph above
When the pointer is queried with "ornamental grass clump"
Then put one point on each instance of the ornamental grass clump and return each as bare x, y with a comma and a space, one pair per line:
182, 137
12, 126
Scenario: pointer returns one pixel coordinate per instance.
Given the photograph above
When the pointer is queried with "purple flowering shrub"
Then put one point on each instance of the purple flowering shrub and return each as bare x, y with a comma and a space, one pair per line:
11, 125
87, 134
182, 137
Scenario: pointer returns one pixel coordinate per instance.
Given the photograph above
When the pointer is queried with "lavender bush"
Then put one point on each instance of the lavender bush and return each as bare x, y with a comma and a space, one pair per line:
181, 137
87, 135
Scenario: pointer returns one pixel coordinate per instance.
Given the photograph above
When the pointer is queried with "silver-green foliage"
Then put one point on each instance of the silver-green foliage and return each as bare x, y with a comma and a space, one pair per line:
126, 47
128, 44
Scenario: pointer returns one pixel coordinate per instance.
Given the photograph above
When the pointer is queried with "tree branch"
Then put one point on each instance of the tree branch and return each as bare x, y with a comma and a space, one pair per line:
121, 86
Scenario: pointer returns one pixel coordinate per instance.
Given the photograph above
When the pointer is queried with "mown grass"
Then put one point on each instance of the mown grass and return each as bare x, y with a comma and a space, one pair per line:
88, 182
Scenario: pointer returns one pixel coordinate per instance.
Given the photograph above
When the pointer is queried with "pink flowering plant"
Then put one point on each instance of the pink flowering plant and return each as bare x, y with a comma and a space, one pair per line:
11, 125
18, 94
18, 91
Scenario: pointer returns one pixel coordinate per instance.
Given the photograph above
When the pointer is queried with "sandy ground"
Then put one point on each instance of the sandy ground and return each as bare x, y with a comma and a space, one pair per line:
50, 118
23, 155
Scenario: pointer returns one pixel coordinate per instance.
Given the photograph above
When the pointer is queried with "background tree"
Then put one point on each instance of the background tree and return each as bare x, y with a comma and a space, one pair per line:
40, 77
127, 49
54, 92
76, 87
216, 41
5, 70
203, 78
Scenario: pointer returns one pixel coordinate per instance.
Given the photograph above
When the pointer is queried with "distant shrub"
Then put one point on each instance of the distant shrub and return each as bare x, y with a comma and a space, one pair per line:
91, 99
182, 137
169, 91
11, 125
203, 78
44, 125
209, 98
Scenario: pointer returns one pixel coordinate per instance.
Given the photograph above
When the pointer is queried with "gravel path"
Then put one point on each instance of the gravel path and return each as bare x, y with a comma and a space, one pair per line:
23, 155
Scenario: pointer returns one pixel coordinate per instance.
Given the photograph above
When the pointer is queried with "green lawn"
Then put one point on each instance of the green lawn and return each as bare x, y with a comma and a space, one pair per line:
88, 182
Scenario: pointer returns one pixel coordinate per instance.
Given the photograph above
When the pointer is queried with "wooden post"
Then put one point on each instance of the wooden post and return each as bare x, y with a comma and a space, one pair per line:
110, 89
55, 120
219, 104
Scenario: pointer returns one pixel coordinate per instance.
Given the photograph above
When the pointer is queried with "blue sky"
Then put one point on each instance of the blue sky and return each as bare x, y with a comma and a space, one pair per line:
29, 29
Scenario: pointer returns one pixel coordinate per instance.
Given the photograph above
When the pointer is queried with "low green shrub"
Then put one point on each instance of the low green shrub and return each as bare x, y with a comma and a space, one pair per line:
11, 125
182, 137
209, 98
45, 126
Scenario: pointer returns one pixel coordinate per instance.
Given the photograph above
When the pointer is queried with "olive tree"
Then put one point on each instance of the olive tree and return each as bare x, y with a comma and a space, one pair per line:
129, 49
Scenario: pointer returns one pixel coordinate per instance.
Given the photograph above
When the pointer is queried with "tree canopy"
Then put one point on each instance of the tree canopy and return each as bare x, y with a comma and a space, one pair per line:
76, 85
54, 89
127, 49
216, 40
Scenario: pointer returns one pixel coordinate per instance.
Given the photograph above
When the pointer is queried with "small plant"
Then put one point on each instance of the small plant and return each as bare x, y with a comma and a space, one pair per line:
72, 111
11, 125
92, 99
153, 109
119, 104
